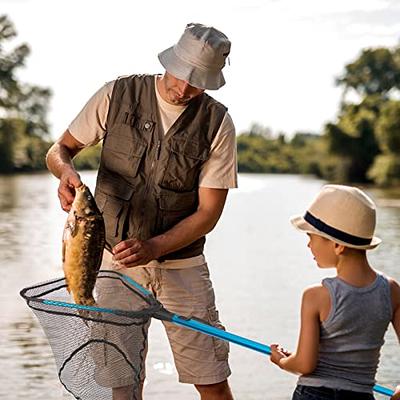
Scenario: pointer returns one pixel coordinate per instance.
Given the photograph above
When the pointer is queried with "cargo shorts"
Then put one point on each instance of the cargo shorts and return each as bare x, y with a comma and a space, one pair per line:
199, 359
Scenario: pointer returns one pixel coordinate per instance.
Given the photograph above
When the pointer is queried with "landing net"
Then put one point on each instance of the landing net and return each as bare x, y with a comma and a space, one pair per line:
99, 351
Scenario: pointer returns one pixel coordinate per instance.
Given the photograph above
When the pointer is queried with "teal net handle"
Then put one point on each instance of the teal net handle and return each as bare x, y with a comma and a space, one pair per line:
190, 323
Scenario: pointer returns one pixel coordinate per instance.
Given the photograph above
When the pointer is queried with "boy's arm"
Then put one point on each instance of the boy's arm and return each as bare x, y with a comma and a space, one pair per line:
395, 291
304, 360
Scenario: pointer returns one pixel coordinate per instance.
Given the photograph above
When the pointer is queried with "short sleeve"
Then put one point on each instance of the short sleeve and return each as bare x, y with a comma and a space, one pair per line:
89, 126
220, 170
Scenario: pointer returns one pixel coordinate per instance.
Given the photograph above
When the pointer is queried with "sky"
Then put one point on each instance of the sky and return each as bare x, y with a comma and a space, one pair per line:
284, 58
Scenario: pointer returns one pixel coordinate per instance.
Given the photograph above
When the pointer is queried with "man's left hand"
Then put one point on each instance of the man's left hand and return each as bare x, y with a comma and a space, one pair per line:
133, 252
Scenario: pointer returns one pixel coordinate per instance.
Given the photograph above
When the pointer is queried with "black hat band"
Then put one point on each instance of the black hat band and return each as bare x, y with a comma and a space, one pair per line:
335, 233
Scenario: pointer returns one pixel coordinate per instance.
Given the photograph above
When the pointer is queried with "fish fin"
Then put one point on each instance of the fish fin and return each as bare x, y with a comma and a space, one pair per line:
90, 302
71, 227
68, 288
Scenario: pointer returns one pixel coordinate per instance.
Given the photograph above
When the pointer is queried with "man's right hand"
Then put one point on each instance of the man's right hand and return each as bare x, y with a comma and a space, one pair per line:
59, 162
69, 180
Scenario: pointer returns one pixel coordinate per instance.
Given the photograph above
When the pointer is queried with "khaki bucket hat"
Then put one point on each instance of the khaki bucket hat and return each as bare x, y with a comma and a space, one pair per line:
344, 214
198, 57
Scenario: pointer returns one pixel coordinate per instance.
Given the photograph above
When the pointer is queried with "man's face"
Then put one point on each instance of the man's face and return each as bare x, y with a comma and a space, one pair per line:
177, 91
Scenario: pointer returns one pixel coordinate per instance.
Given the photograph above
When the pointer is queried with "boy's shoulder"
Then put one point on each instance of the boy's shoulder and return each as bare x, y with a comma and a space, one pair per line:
316, 299
316, 294
316, 289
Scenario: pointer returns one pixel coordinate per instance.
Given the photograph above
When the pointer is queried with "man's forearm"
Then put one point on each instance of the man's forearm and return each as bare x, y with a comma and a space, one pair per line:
60, 155
184, 233
58, 159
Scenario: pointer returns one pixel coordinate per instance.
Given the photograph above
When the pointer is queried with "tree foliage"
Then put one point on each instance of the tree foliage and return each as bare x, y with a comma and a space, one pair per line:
375, 71
366, 135
258, 152
352, 138
24, 136
388, 127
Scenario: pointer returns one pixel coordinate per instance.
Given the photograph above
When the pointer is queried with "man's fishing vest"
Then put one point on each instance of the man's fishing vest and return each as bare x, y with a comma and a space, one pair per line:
147, 181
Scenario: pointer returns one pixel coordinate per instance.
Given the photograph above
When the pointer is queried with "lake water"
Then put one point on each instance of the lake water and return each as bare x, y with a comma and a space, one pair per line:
259, 265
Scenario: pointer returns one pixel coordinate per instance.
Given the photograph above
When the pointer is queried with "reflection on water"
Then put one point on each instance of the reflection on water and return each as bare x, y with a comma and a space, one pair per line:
259, 265
26, 361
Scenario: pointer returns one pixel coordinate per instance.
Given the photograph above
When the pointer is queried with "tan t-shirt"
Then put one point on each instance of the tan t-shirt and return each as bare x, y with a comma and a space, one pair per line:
219, 171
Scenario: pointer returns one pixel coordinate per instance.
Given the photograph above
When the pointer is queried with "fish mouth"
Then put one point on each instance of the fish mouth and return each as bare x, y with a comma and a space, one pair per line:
81, 188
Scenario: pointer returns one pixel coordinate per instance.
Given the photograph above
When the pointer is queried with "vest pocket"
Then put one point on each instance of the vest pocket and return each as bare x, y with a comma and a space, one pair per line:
184, 164
115, 212
176, 206
123, 155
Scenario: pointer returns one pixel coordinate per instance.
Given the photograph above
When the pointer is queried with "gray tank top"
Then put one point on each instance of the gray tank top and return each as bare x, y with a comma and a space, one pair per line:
352, 335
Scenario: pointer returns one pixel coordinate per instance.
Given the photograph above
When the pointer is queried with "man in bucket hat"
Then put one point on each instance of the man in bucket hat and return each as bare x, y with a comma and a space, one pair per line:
343, 319
167, 163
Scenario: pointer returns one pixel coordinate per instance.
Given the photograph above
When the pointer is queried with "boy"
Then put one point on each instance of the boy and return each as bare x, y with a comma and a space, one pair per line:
344, 319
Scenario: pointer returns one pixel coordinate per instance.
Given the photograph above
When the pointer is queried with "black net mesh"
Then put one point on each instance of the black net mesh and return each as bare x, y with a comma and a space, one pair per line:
100, 350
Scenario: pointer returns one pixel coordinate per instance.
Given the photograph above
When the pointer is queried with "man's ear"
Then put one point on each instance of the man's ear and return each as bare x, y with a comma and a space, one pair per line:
339, 249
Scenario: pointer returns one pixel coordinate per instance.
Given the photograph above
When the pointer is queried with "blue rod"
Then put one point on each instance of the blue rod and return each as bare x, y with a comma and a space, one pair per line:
250, 344
221, 334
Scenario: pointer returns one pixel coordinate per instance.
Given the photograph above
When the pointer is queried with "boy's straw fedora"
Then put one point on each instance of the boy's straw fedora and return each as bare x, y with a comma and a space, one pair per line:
343, 214
198, 57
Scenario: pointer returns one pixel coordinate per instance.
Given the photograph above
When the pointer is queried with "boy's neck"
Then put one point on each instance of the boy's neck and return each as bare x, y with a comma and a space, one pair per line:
353, 268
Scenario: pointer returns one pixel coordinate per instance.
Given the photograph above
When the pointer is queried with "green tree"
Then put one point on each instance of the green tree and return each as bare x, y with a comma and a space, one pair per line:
375, 71
364, 130
24, 129
353, 140
264, 154
89, 158
388, 127
386, 167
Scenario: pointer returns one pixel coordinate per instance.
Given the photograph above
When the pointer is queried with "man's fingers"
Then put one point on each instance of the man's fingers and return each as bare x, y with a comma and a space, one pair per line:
75, 181
66, 197
126, 248
65, 206
72, 179
132, 261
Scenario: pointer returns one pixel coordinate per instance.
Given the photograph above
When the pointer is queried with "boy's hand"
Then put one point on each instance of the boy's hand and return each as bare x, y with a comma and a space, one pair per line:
396, 395
277, 353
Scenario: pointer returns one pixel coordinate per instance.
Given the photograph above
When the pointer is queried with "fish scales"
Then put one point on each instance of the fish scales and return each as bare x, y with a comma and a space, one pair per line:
83, 245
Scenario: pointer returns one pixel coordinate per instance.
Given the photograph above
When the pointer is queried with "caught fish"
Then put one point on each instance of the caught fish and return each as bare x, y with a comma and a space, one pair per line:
83, 245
